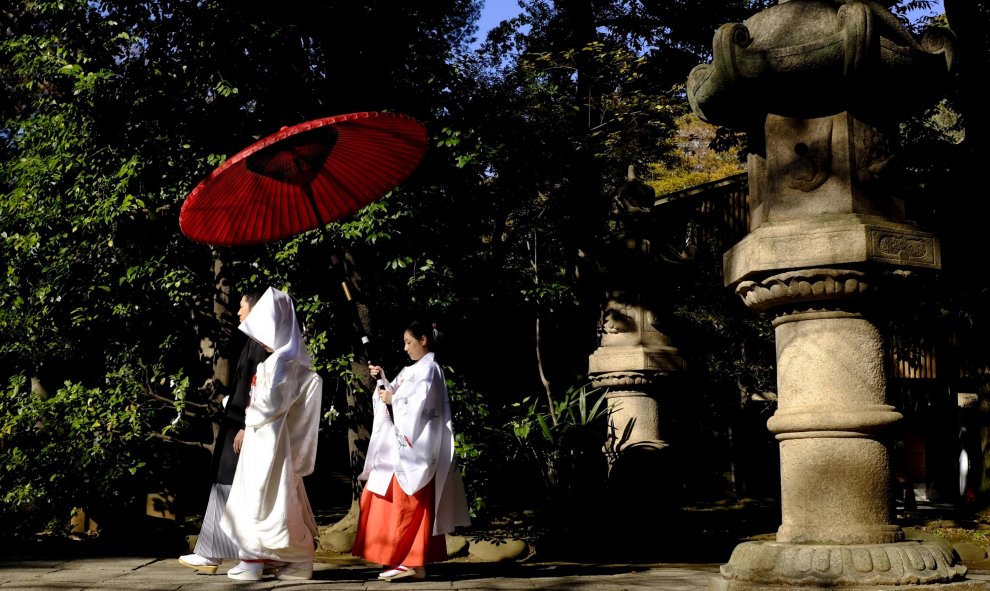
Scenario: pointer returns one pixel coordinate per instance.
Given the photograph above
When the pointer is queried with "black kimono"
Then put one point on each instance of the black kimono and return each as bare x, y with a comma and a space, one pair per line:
224, 459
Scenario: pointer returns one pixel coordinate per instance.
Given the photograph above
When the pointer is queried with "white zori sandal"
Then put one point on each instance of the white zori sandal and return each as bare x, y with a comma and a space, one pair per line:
200, 563
401, 572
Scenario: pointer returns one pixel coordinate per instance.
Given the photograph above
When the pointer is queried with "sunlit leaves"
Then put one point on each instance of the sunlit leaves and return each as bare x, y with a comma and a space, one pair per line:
223, 88
371, 223
694, 161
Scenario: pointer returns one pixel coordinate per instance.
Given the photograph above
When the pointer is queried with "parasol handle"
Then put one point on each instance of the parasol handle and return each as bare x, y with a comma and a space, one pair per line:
336, 265
334, 261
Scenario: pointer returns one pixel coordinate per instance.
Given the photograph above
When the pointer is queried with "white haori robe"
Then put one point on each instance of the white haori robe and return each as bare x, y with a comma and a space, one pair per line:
268, 513
419, 445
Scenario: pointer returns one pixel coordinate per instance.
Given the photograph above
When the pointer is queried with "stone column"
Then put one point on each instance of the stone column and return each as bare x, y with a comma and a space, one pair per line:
632, 361
832, 417
819, 86
832, 422
633, 365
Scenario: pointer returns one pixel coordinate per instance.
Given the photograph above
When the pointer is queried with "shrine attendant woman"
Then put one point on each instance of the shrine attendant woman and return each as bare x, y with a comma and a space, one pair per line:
414, 494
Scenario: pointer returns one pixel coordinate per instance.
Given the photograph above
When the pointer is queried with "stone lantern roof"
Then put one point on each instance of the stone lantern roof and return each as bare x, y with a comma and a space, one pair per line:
813, 58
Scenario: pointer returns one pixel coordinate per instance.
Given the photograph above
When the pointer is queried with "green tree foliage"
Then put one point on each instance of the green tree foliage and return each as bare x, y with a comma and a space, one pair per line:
79, 447
114, 112
86, 266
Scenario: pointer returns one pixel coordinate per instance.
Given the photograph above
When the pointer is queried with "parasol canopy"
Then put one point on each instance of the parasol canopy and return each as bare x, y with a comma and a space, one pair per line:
303, 177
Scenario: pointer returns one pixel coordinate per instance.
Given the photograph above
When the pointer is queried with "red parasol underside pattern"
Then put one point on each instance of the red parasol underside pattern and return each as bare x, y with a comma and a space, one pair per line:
303, 177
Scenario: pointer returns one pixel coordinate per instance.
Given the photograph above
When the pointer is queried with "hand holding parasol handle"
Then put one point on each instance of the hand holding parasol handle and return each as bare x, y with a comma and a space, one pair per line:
372, 358
380, 385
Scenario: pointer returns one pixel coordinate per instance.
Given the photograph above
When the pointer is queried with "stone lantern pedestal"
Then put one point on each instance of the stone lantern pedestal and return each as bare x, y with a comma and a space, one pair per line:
631, 363
634, 366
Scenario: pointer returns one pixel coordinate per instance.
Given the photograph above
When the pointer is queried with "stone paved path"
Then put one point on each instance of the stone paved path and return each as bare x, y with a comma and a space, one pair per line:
154, 574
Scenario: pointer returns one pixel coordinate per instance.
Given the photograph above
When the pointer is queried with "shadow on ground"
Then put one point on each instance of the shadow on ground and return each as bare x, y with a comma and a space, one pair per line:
699, 535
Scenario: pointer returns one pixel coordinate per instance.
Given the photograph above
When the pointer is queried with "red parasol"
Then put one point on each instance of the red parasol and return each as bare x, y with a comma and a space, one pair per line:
303, 177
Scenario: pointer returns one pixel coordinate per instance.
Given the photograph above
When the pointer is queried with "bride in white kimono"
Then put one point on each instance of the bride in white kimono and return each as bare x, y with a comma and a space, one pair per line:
414, 494
268, 513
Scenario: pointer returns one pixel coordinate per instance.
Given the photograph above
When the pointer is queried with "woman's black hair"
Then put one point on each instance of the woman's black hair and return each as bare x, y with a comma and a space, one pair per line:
419, 329
251, 297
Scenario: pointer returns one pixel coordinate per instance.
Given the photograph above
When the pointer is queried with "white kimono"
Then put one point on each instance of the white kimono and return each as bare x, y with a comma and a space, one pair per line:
268, 513
419, 446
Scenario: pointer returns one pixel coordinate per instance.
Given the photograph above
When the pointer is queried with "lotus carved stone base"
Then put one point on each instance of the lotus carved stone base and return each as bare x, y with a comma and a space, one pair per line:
775, 566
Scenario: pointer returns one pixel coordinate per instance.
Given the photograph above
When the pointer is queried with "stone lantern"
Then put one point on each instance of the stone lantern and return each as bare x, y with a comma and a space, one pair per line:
635, 364
820, 87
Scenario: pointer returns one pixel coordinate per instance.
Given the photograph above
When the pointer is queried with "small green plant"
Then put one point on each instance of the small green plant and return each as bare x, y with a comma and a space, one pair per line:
564, 442
473, 437
958, 534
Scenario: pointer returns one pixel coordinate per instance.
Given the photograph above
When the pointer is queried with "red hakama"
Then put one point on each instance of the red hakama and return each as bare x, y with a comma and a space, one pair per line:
402, 526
